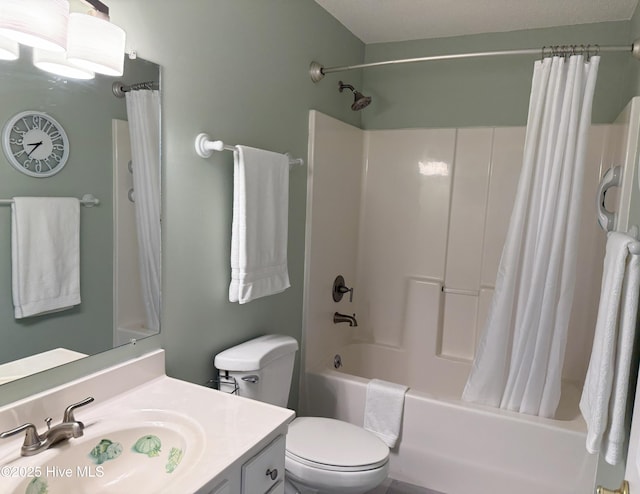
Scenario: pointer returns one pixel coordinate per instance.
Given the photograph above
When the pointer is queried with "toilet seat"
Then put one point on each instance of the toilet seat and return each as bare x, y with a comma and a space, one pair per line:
334, 445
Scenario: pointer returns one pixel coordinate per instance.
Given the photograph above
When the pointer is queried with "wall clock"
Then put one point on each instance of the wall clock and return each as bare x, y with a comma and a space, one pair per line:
35, 144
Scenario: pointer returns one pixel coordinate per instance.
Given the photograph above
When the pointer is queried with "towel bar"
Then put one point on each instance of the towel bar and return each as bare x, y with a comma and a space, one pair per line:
88, 200
205, 147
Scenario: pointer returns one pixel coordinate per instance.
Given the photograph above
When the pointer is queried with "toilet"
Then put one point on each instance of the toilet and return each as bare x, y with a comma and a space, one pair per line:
323, 455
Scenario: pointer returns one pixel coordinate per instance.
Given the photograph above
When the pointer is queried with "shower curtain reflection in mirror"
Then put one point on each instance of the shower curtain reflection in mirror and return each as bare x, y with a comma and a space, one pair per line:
143, 109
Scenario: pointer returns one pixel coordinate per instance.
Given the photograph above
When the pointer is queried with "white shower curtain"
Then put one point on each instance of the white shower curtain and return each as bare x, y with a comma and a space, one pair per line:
143, 109
518, 364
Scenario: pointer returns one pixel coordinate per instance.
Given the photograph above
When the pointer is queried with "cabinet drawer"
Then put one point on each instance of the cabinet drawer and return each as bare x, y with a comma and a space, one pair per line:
262, 472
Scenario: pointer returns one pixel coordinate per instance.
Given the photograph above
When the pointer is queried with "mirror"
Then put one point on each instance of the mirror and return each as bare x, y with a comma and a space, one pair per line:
95, 121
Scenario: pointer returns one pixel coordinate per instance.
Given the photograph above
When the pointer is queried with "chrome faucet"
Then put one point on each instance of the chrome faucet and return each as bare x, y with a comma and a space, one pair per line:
35, 443
338, 318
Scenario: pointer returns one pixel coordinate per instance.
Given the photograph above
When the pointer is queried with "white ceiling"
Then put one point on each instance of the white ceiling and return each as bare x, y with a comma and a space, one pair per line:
379, 21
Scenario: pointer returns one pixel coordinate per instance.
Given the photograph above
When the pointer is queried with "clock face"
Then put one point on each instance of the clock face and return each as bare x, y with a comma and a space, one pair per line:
35, 144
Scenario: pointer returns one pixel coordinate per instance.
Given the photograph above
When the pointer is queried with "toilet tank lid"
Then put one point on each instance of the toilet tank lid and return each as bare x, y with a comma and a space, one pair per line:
255, 354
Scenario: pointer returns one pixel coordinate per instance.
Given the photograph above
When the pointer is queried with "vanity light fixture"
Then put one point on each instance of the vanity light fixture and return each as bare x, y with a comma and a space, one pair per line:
37, 23
95, 44
57, 63
87, 43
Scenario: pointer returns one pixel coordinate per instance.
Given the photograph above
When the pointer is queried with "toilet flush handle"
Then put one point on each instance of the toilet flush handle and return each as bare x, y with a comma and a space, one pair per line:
251, 379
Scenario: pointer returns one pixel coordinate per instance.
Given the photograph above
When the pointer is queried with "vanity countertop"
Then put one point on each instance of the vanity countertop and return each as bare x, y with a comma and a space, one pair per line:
227, 428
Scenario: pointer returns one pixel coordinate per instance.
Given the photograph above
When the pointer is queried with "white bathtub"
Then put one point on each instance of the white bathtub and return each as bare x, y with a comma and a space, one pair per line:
452, 446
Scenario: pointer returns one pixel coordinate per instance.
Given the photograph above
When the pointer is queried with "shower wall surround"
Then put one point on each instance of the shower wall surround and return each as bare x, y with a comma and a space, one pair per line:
433, 208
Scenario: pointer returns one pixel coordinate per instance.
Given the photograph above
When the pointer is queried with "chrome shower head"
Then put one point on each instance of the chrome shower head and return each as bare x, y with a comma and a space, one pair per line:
360, 101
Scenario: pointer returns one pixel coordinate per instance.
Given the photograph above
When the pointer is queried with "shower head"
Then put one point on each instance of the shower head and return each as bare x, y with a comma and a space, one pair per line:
360, 101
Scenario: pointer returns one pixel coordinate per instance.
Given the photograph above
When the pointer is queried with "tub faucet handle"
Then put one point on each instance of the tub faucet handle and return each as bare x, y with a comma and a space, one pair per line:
340, 288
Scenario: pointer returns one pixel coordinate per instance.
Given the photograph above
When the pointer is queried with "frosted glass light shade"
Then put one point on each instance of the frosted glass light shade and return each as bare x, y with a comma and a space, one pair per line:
37, 23
57, 63
95, 44
9, 49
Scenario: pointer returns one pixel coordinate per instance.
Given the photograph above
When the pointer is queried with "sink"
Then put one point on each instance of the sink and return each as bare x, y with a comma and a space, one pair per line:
146, 451
144, 433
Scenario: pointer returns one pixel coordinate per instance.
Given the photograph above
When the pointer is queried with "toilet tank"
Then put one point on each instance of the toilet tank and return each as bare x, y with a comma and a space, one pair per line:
262, 368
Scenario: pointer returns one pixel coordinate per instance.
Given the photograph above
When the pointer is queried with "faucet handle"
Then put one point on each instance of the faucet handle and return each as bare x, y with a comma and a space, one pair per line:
68, 412
339, 289
31, 436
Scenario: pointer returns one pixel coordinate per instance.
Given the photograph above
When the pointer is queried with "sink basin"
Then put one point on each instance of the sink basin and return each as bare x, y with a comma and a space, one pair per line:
147, 451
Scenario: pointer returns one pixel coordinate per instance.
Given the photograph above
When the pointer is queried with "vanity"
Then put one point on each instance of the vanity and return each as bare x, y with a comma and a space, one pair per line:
145, 432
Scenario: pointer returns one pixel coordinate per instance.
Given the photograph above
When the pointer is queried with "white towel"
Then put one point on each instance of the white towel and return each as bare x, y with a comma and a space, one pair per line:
45, 247
260, 224
383, 410
604, 396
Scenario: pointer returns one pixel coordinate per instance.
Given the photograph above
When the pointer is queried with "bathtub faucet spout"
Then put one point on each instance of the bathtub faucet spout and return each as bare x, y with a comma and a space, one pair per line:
338, 318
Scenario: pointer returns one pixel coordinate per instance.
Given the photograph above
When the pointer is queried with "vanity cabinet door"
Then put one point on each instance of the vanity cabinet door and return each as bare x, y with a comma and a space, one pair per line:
278, 488
264, 473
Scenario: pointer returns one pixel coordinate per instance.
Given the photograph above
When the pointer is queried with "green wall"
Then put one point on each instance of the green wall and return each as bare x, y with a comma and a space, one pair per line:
492, 91
237, 69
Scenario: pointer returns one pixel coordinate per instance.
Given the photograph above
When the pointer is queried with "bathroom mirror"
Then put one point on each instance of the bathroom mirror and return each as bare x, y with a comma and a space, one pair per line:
95, 121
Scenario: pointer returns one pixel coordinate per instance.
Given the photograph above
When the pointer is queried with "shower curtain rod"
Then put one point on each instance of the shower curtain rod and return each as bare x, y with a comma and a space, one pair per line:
317, 71
119, 88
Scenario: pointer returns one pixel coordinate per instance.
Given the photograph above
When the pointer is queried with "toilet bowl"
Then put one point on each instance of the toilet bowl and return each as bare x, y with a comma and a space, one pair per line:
331, 456
323, 455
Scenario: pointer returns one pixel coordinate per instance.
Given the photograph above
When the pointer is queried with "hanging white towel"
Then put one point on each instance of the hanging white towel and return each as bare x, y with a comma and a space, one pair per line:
604, 396
260, 224
383, 410
45, 247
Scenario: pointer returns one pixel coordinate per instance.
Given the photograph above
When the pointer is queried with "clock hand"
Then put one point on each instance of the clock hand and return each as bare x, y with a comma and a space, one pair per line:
35, 146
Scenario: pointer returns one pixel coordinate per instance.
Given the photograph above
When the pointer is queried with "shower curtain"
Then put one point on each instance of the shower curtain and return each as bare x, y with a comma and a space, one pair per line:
518, 363
143, 109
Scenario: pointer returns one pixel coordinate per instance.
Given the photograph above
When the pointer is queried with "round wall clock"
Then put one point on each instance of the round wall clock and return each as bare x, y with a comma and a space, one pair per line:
35, 144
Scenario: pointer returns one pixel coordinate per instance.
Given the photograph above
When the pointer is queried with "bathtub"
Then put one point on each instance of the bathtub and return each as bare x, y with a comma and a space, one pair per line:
452, 446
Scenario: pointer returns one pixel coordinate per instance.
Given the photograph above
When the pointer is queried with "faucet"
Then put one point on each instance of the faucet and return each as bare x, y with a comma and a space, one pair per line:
338, 318
35, 443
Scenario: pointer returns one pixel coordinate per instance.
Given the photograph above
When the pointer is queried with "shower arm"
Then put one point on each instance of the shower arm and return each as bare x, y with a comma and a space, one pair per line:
317, 71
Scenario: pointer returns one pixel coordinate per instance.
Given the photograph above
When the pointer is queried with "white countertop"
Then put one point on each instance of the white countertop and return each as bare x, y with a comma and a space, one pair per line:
231, 425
